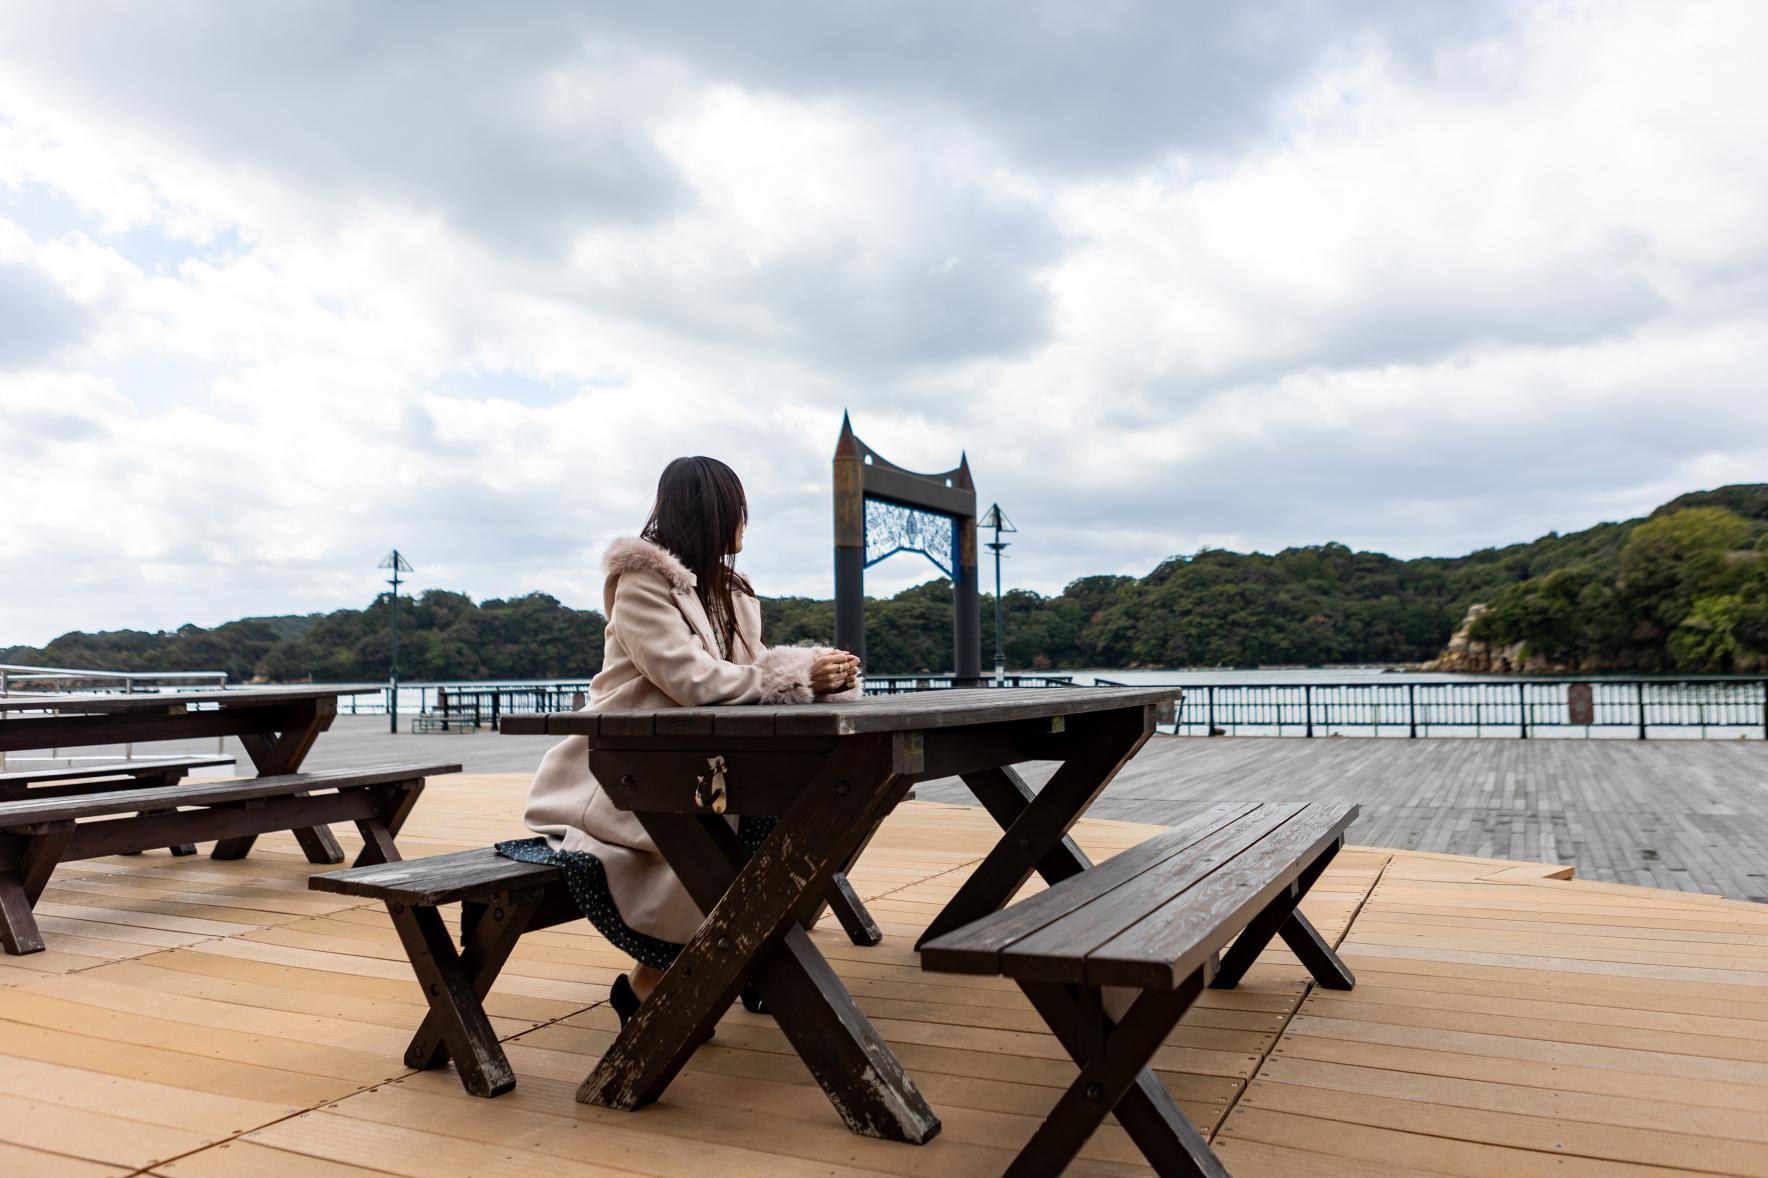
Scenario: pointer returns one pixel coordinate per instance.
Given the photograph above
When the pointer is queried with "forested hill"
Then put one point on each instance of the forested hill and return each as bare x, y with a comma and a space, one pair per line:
1684, 589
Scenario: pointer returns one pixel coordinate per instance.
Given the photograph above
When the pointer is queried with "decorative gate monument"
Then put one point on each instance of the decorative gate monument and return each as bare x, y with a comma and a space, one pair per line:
882, 509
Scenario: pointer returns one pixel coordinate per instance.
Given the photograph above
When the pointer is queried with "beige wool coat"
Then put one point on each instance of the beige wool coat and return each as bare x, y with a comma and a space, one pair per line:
660, 652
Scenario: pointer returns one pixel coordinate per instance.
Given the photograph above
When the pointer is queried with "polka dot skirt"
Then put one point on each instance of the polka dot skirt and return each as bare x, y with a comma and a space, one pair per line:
587, 882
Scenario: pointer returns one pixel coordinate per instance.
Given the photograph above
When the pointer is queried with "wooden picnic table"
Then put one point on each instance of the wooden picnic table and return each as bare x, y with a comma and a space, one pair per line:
277, 726
831, 771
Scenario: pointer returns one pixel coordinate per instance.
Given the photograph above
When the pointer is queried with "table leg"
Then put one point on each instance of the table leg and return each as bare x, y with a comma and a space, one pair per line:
396, 803
752, 933
283, 752
849, 909
1036, 825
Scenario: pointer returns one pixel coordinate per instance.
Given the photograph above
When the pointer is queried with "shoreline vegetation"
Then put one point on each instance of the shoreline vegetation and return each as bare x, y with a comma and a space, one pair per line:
1684, 589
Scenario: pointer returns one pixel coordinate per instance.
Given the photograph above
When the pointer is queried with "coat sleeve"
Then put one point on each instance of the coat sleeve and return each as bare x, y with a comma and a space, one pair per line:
665, 650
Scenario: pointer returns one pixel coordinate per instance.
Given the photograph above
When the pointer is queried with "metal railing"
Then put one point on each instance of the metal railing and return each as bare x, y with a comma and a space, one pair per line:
1640, 708
898, 684
52, 681
67, 678
1733, 706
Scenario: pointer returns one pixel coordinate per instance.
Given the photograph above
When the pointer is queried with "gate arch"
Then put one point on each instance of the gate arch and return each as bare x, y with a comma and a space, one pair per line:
882, 509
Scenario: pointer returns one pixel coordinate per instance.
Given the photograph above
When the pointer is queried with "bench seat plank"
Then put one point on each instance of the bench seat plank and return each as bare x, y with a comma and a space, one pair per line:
141, 768
1167, 945
437, 879
31, 811
1054, 942
976, 947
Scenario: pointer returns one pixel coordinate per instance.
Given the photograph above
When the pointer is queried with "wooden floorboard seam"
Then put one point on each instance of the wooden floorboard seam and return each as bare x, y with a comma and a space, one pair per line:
1308, 987
154, 1169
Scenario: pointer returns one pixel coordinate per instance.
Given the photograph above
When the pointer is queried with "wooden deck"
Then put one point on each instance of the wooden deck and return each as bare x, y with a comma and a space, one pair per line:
1687, 815
194, 1018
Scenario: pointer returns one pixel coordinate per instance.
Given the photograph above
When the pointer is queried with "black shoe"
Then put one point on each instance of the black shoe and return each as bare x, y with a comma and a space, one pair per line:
625, 1001
753, 1002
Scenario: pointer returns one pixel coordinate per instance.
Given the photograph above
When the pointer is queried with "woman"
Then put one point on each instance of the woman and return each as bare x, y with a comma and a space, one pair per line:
684, 630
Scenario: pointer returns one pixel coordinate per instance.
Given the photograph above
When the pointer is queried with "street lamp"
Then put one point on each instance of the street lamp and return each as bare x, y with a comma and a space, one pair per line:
997, 519
399, 565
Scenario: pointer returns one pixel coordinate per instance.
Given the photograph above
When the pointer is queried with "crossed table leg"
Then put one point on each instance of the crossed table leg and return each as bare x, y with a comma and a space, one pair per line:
1035, 825
753, 932
278, 753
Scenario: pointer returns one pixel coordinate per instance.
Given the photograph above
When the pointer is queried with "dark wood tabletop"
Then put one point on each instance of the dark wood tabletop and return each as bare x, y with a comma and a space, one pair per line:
831, 772
917, 711
276, 726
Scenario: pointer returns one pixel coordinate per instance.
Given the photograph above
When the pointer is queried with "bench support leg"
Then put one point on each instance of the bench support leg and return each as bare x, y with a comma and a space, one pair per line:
1114, 1077
1037, 824
1282, 917
396, 803
33, 858
457, 1015
499, 924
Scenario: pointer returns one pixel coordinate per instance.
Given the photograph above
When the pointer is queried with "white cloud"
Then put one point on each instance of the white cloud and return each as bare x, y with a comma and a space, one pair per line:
292, 291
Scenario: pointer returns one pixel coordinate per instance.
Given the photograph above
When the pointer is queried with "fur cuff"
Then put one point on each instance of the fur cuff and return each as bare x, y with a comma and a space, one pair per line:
629, 554
785, 674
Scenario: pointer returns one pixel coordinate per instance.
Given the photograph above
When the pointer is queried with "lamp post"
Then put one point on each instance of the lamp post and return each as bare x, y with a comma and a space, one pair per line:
399, 565
997, 519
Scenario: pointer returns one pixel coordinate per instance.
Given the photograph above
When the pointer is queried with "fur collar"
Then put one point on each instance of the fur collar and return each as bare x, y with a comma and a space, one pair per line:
629, 554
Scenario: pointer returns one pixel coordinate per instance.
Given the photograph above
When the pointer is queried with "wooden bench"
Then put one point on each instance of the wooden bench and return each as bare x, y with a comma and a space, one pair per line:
38, 833
500, 899
62, 781
104, 777
1154, 920
445, 722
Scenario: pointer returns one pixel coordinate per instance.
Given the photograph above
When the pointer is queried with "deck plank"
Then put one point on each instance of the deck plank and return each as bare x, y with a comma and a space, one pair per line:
222, 1017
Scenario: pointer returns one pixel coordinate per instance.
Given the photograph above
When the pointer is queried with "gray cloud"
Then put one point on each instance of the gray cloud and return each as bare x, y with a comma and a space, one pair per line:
1072, 86
1052, 230
515, 129
36, 319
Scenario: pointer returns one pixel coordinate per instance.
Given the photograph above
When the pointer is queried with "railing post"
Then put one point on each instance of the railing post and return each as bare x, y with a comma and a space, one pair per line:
1307, 704
1522, 708
1412, 710
1209, 725
1765, 709
1639, 694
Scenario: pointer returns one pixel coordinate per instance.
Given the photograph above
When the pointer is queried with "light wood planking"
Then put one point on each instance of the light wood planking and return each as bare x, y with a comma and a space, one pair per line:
202, 1019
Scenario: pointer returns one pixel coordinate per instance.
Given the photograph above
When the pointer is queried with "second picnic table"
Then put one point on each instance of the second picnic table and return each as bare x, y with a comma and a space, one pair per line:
831, 772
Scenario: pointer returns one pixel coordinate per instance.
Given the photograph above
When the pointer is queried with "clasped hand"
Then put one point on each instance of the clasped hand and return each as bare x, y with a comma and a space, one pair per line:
833, 671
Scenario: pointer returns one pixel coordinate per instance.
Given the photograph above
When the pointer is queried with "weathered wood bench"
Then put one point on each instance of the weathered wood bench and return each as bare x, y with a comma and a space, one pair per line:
501, 899
36, 834
1153, 919
63, 781
104, 777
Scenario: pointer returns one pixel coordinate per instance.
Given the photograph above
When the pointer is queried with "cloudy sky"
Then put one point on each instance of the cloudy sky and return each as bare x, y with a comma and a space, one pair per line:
283, 285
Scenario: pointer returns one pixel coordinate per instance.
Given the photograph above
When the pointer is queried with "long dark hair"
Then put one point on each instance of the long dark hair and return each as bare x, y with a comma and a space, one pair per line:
700, 505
